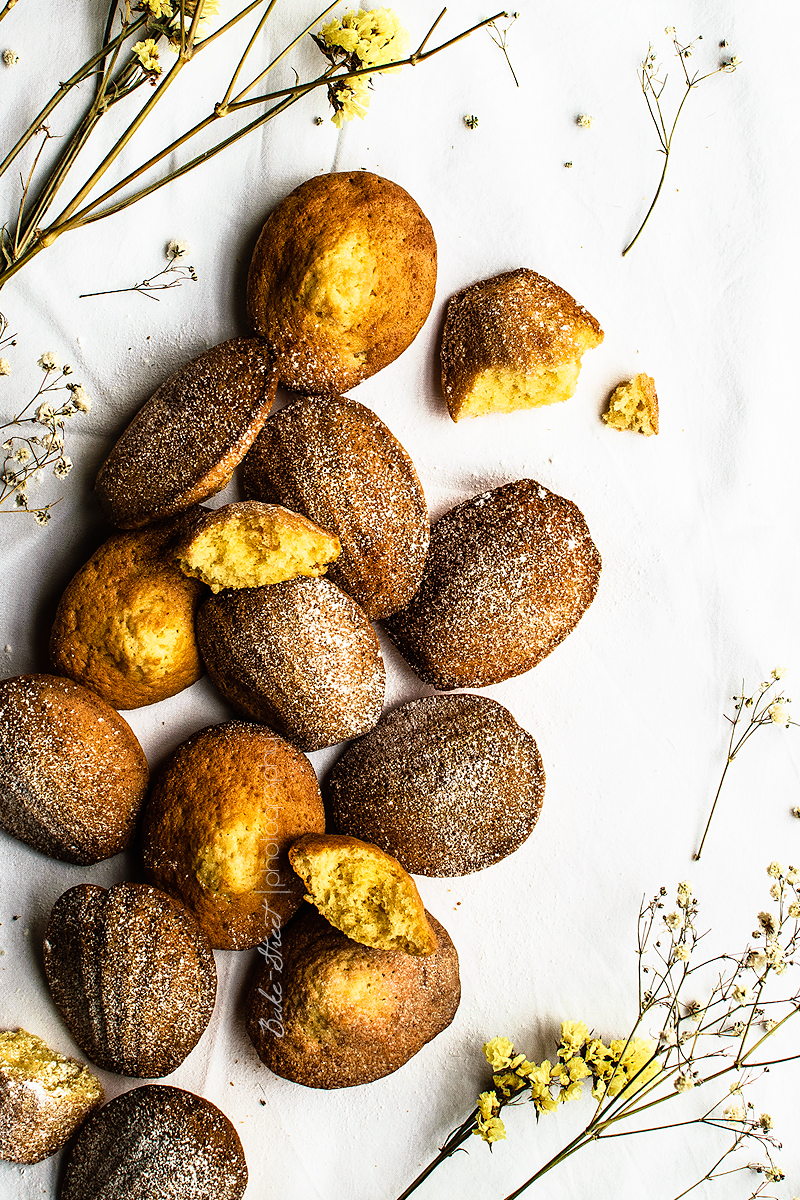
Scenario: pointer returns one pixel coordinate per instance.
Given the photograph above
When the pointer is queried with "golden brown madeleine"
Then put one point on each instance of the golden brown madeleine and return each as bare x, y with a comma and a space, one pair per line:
44, 1097
183, 445
342, 280
125, 624
334, 460
156, 1141
514, 341
72, 775
250, 544
364, 892
224, 810
446, 784
509, 574
348, 1014
298, 656
132, 975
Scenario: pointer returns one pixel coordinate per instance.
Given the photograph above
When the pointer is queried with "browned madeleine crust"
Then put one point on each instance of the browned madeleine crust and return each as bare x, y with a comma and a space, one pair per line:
363, 891
44, 1097
509, 574
125, 624
224, 810
72, 774
299, 656
446, 784
350, 1014
156, 1141
513, 341
342, 280
183, 445
335, 461
132, 975
250, 544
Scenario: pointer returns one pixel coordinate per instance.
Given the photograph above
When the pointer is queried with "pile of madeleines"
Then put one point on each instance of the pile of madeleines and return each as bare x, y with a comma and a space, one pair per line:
274, 597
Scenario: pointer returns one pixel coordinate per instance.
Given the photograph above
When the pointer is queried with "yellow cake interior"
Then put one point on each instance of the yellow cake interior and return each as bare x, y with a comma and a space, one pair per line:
634, 406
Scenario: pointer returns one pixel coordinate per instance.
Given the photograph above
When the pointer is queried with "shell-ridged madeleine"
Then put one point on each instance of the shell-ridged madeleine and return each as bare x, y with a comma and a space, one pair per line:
224, 810
125, 624
348, 1014
73, 776
446, 784
183, 444
156, 1141
333, 460
508, 576
132, 974
342, 280
299, 656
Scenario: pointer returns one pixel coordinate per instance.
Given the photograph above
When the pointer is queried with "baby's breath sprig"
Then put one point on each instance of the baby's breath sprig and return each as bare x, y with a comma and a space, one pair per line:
766, 706
500, 38
653, 86
39, 444
171, 276
677, 1043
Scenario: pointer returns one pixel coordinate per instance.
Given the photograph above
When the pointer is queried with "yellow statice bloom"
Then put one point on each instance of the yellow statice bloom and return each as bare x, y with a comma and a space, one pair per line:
352, 100
573, 1038
636, 1059
158, 8
577, 1069
599, 1058
491, 1130
374, 38
147, 54
499, 1052
488, 1105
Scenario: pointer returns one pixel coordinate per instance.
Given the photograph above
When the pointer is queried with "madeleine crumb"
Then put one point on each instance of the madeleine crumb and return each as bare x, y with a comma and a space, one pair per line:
634, 406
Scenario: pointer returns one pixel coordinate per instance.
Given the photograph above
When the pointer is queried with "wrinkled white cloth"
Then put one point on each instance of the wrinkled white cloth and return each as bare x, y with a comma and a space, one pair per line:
698, 529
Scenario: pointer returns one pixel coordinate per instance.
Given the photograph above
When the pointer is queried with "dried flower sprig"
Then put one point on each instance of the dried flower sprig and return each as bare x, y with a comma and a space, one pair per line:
171, 276
136, 45
40, 443
653, 86
766, 706
688, 1043
500, 38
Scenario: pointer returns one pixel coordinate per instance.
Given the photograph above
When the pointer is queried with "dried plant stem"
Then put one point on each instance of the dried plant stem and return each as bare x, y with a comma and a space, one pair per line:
7, 8
30, 238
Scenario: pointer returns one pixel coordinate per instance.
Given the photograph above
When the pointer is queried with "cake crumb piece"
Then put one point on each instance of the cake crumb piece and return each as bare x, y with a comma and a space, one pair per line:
634, 406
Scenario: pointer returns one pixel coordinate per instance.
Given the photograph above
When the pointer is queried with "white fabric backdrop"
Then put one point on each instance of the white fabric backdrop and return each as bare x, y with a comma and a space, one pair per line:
697, 528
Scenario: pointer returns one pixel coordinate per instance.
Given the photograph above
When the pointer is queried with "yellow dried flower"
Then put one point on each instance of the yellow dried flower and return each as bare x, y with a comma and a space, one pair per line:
498, 1052
147, 54
491, 1130
159, 8
573, 1038
360, 39
488, 1105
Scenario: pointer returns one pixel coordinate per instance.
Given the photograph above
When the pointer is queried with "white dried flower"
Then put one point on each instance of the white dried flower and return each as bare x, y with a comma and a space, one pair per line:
684, 894
775, 891
756, 961
794, 910
23, 454
5, 366
672, 920
682, 953
81, 398
779, 713
768, 1025
765, 1121
41, 516
178, 249
775, 870
50, 361
777, 672
45, 411
684, 1082
10, 58
796, 810
734, 1112
63, 467
742, 994
584, 121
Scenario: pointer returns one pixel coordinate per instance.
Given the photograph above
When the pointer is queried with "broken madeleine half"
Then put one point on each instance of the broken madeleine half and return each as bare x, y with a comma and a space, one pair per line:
250, 544
634, 406
363, 892
514, 341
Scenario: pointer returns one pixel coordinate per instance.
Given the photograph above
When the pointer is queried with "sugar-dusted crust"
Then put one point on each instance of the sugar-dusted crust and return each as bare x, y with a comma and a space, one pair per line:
224, 810
350, 1014
183, 445
509, 574
299, 656
334, 460
44, 1097
634, 405
72, 774
513, 341
446, 784
250, 544
132, 975
156, 1141
363, 891
342, 279
125, 624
